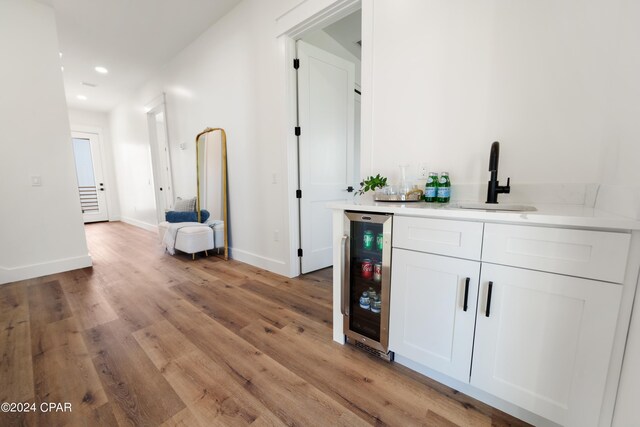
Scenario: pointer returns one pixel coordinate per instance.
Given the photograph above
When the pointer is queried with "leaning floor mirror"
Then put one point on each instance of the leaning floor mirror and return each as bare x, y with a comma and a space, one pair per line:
211, 167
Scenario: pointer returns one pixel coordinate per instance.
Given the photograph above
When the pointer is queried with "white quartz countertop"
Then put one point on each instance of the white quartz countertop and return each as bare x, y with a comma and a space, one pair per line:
551, 215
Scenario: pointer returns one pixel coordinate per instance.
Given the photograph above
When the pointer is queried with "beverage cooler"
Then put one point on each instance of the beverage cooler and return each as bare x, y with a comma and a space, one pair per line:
366, 279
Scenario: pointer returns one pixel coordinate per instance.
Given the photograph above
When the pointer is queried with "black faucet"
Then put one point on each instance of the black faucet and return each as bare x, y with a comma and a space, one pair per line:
494, 187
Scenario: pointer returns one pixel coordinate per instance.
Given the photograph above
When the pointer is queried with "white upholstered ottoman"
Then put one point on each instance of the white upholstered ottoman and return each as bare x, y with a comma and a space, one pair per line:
189, 238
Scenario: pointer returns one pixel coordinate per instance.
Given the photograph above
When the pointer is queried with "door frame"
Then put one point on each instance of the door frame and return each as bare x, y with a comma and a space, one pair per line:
157, 105
304, 18
106, 176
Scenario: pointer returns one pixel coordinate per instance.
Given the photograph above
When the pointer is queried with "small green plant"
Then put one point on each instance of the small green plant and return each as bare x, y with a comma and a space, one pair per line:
370, 183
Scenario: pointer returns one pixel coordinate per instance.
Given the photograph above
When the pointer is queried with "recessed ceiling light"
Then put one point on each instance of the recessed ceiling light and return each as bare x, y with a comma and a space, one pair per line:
62, 67
81, 97
60, 53
101, 70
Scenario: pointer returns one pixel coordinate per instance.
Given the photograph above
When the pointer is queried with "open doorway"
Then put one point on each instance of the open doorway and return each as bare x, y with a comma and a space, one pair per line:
328, 67
160, 156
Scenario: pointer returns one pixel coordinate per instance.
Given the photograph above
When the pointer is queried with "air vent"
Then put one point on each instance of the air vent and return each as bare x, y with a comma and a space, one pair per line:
372, 351
89, 84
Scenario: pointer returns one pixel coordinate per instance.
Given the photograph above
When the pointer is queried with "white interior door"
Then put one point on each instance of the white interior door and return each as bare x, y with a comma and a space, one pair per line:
161, 159
326, 109
93, 201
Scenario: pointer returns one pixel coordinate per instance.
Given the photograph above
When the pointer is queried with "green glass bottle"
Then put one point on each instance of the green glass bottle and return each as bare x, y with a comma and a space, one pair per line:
431, 188
368, 240
444, 188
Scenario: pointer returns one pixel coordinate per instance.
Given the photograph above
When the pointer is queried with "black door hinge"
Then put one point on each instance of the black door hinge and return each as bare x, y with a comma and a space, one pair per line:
296, 63
298, 194
300, 252
297, 130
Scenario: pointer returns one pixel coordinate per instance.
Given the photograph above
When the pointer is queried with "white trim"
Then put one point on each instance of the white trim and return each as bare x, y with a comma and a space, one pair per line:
366, 99
139, 224
289, 47
14, 274
86, 129
305, 17
107, 167
270, 264
157, 105
312, 15
154, 103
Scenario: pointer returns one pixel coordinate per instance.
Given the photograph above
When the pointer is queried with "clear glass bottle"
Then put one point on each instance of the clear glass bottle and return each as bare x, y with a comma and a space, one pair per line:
444, 188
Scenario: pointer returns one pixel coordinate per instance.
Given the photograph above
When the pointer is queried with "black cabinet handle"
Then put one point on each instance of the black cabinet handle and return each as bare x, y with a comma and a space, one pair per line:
488, 312
466, 294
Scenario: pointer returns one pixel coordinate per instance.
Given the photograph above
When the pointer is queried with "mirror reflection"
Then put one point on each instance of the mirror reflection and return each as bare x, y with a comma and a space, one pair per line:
199, 224
211, 169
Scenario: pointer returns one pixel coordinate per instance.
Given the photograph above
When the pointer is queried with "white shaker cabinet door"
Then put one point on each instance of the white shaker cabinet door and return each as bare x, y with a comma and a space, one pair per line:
546, 341
433, 306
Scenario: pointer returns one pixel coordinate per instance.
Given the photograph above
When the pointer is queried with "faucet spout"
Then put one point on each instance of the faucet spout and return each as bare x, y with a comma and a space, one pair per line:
494, 157
494, 188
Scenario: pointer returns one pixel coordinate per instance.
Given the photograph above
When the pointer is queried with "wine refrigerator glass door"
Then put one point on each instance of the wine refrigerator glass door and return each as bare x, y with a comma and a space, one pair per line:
366, 278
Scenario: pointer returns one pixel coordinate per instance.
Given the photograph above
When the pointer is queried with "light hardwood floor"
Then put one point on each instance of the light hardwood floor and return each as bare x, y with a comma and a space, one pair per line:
144, 338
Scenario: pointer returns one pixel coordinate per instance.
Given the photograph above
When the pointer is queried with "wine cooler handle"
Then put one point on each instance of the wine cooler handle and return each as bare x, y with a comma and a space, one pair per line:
488, 312
345, 270
466, 294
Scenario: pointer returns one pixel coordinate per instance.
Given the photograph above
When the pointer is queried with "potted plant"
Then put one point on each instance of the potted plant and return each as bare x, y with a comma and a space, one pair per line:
371, 183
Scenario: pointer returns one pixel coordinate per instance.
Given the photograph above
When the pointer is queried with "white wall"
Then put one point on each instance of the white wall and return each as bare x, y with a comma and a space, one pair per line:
556, 82
230, 77
451, 77
93, 121
621, 169
448, 79
132, 164
41, 227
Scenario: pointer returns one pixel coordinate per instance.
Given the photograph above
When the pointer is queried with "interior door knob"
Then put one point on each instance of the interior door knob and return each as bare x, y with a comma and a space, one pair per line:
350, 189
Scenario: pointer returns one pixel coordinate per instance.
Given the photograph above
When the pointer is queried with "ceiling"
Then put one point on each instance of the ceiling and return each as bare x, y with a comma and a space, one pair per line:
348, 32
131, 38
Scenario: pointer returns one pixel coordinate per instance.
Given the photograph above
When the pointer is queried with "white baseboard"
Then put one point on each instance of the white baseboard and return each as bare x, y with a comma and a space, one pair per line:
24, 272
272, 265
140, 224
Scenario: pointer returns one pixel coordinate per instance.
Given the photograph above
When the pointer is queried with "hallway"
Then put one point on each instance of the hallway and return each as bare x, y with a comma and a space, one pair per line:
143, 338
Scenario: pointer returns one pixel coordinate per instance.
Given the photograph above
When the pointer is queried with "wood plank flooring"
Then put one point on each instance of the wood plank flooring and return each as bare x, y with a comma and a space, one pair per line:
145, 338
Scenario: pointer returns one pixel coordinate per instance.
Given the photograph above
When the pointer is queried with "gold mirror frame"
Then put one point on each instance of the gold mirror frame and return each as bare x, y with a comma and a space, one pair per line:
223, 137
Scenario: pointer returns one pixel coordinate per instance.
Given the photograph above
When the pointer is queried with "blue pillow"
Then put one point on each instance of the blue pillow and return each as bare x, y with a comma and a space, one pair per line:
175, 216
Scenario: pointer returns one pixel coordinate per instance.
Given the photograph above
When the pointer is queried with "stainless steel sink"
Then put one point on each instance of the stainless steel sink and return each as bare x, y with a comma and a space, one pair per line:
497, 207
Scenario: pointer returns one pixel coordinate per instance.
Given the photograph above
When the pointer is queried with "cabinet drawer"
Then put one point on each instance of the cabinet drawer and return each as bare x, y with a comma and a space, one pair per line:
454, 238
592, 254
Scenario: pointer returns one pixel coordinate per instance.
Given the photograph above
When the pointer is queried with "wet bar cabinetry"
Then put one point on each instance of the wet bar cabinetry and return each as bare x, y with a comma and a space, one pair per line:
528, 318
